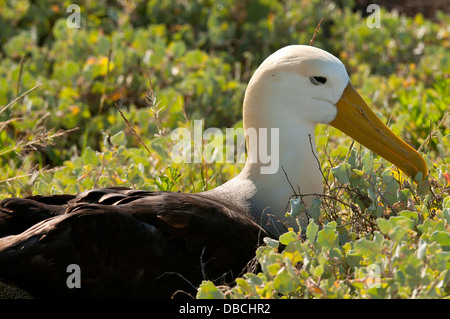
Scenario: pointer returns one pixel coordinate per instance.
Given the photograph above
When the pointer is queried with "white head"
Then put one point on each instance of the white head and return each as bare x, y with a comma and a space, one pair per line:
299, 82
293, 90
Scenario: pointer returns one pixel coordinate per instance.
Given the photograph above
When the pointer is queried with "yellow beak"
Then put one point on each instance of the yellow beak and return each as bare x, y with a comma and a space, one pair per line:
356, 119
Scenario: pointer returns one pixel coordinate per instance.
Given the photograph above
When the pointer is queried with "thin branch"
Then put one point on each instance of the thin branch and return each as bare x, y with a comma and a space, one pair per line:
315, 32
132, 129
317, 160
17, 99
432, 132
179, 275
292, 187
39, 141
5, 123
150, 99
29, 174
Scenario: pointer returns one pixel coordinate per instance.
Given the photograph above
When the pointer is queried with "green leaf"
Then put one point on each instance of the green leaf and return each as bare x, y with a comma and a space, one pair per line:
353, 260
90, 157
399, 234
419, 176
442, 238
403, 195
297, 207
341, 172
402, 221
207, 290
401, 277
177, 48
387, 177
377, 292
367, 162
273, 269
195, 58
440, 261
118, 138
288, 237
318, 271
411, 215
283, 282
353, 158
367, 248
272, 243
429, 226
245, 286
314, 211
311, 231
385, 226
254, 279
328, 237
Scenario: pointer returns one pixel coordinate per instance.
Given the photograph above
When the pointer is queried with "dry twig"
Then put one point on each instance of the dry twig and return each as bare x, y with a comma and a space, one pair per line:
315, 33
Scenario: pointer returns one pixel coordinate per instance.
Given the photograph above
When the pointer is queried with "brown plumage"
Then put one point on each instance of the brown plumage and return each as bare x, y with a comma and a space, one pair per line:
127, 243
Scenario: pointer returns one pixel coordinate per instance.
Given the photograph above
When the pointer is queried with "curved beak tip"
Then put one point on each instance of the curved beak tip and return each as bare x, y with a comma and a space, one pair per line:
355, 118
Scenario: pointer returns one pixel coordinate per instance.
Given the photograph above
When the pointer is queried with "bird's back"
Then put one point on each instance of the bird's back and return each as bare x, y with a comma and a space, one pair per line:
125, 243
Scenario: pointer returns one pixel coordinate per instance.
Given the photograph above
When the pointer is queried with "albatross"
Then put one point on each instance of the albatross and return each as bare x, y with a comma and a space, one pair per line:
145, 244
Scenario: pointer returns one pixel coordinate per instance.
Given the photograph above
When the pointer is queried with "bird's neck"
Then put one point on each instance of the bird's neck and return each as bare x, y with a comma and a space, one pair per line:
266, 183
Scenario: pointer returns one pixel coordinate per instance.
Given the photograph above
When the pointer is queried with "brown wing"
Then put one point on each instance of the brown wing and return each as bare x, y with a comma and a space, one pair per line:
18, 214
141, 244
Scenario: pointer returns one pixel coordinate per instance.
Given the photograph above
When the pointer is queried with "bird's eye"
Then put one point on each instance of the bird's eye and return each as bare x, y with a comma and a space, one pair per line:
318, 80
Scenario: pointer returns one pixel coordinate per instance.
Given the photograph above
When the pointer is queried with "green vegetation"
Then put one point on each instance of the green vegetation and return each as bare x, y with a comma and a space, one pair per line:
374, 234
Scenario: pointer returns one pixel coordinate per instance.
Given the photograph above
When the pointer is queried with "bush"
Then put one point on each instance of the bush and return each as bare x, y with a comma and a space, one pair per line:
166, 63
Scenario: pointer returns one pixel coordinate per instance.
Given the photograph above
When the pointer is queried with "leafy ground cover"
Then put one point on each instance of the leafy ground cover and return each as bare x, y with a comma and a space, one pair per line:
164, 64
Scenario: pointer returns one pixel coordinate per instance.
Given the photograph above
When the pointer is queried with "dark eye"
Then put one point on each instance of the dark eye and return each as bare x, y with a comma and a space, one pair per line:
318, 80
